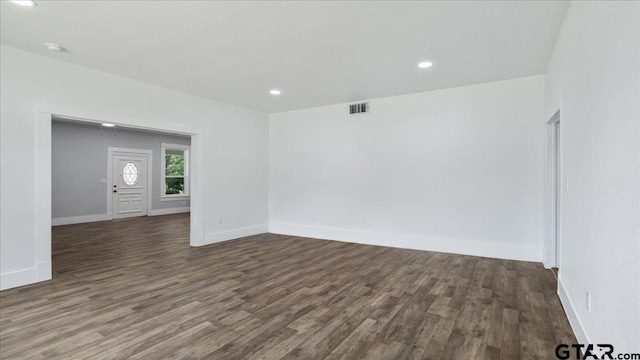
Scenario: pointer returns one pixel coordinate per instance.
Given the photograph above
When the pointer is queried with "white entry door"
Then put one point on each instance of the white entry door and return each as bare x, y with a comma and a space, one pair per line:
129, 188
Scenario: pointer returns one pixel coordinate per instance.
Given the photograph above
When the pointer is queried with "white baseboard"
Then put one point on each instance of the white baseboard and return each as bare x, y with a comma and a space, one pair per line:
572, 314
18, 278
235, 233
156, 212
196, 239
107, 217
42, 272
455, 246
260, 229
80, 219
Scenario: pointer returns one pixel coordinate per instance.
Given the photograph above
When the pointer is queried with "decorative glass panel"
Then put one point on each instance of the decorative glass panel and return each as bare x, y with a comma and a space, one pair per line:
130, 174
174, 164
174, 186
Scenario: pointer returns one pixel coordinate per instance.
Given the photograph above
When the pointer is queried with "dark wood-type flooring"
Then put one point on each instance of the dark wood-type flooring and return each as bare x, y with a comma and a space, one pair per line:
135, 289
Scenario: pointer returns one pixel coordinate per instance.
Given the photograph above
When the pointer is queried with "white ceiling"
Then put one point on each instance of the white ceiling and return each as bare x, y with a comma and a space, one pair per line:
316, 53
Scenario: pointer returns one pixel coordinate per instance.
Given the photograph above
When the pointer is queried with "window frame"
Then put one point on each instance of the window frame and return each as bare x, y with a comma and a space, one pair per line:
163, 172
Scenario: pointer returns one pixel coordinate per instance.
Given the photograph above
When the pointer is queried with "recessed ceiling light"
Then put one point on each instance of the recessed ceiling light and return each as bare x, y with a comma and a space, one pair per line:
274, 92
26, 3
54, 47
425, 64
108, 125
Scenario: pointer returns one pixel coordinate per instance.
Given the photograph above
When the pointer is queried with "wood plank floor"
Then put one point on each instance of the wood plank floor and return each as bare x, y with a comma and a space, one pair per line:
135, 289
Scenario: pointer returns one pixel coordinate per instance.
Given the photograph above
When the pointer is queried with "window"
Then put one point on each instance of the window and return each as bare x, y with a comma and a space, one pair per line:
175, 171
130, 174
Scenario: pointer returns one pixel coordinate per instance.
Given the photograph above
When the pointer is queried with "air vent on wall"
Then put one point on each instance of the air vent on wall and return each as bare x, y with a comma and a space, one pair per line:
358, 108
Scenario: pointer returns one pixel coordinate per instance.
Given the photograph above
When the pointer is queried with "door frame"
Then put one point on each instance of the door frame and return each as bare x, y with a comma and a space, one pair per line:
111, 151
44, 114
554, 194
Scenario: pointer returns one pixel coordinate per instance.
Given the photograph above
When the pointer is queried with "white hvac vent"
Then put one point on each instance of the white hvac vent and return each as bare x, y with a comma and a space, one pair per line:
358, 108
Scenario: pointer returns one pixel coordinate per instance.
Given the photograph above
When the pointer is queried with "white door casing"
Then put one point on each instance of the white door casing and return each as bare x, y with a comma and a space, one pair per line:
129, 189
554, 191
45, 112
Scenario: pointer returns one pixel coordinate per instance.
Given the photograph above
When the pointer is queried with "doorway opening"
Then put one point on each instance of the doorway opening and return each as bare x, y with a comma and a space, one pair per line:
191, 224
555, 191
90, 160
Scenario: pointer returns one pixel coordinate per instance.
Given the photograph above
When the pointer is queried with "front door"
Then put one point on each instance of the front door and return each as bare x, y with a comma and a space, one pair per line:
129, 185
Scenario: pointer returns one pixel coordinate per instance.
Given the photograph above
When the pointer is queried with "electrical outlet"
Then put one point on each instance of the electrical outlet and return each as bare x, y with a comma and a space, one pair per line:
588, 301
220, 221
103, 181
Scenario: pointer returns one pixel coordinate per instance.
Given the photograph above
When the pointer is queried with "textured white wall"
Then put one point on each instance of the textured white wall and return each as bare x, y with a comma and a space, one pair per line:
456, 170
594, 79
79, 161
235, 158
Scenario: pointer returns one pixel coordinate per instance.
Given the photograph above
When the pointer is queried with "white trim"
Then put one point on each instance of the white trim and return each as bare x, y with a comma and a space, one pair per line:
196, 183
553, 198
235, 233
41, 272
44, 270
107, 217
186, 150
572, 314
43, 190
98, 117
43, 117
260, 229
175, 146
455, 246
80, 219
175, 198
111, 151
196, 238
177, 210
18, 278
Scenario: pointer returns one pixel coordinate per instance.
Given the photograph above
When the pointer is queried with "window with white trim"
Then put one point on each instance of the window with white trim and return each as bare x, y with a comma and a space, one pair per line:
175, 171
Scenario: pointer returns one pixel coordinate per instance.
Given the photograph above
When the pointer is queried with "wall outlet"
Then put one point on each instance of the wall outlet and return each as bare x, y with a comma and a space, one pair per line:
220, 221
103, 181
588, 301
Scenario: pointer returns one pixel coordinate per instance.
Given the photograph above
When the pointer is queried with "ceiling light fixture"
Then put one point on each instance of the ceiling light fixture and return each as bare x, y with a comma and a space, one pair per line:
25, 3
274, 92
425, 64
54, 47
108, 125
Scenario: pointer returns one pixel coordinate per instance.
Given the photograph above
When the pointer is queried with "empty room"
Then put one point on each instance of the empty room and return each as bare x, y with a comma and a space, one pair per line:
320, 179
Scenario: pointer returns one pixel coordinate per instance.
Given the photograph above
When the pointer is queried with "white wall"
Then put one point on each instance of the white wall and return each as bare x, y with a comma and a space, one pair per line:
79, 161
593, 78
456, 170
235, 158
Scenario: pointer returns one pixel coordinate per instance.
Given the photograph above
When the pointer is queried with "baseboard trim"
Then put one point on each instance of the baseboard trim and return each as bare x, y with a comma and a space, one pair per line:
572, 314
80, 219
196, 239
18, 278
455, 246
44, 271
106, 217
260, 229
235, 233
168, 211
